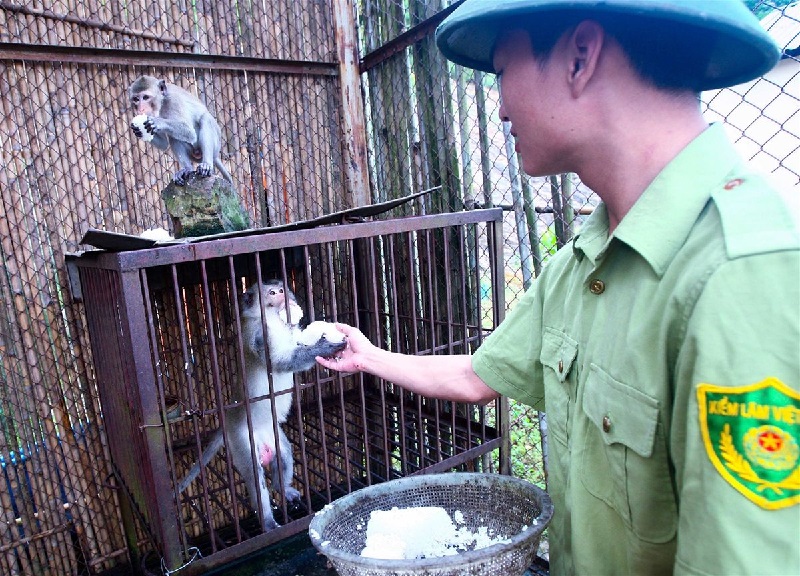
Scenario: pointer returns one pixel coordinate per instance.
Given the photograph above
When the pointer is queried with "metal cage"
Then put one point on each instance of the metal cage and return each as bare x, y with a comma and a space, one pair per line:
166, 342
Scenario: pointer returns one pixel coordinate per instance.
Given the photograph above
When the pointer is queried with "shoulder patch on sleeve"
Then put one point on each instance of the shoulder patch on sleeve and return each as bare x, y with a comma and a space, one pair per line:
752, 437
756, 218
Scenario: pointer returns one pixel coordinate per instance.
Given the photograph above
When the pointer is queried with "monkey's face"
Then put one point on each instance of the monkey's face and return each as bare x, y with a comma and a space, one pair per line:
276, 298
146, 102
273, 297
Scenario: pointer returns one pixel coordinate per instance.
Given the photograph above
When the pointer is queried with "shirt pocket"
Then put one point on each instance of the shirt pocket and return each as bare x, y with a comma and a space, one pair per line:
557, 356
624, 460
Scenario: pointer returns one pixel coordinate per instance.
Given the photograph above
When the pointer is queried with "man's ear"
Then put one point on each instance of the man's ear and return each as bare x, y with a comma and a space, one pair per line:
585, 45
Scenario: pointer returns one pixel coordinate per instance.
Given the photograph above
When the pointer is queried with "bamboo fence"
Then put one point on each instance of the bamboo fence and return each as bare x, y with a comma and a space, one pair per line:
70, 163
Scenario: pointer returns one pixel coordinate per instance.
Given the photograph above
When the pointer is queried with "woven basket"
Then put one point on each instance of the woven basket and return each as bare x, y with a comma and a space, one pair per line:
508, 506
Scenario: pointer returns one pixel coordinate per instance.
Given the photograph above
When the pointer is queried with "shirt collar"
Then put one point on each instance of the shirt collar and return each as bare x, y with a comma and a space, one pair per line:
659, 222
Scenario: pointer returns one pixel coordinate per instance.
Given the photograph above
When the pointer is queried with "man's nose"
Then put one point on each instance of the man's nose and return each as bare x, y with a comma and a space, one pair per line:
502, 112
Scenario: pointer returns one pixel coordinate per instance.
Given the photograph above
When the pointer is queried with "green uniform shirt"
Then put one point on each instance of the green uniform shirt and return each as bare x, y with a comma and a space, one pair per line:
666, 359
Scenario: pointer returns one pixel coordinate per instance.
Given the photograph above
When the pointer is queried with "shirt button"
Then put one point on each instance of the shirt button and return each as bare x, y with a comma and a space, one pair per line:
597, 286
606, 424
733, 183
560, 366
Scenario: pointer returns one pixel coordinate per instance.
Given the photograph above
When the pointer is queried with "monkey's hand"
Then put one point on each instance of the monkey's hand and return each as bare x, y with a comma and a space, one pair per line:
320, 331
144, 128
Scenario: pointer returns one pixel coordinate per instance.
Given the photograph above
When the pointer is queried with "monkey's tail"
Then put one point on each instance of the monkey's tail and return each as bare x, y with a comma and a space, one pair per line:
223, 170
210, 451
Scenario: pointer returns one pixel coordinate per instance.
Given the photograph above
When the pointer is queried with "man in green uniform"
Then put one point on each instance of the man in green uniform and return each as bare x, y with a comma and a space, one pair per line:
664, 341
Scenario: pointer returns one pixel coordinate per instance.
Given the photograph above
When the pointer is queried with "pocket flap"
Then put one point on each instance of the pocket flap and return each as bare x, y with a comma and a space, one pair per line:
622, 414
558, 352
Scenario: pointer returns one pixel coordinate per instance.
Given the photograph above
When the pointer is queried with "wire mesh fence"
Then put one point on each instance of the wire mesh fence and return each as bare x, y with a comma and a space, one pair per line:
277, 76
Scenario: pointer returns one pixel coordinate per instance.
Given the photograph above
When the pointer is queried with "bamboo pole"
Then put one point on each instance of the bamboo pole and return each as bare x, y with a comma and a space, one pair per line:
483, 139
324, 149
136, 164
245, 149
271, 155
98, 91
334, 161
179, 21
43, 32
134, 14
558, 212
207, 41
297, 193
229, 128
568, 212
283, 37
353, 121
303, 192
396, 134
76, 138
6, 24
287, 153
533, 232
73, 207
519, 212
465, 134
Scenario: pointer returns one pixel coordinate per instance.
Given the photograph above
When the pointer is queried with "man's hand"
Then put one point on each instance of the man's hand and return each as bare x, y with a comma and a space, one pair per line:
351, 359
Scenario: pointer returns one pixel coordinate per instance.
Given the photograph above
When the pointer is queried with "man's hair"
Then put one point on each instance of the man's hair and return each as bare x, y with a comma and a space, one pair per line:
649, 45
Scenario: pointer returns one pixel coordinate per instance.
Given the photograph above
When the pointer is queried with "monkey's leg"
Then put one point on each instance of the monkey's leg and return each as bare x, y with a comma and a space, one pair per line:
285, 471
208, 142
183, 152
256, 483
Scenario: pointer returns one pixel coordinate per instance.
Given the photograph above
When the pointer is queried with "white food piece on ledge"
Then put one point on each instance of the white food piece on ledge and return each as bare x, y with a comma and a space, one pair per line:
157, 234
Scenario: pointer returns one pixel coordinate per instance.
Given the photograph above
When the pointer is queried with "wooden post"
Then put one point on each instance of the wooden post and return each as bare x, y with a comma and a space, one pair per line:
353, 123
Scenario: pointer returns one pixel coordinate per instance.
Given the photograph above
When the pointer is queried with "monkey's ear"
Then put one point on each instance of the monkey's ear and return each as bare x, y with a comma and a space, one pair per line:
162, 85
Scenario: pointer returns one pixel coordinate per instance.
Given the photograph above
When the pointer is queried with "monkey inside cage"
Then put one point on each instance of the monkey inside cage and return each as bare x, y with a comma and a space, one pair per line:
224, 433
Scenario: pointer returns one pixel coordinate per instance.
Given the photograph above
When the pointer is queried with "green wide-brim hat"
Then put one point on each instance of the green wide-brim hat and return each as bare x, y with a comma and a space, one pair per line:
737, 48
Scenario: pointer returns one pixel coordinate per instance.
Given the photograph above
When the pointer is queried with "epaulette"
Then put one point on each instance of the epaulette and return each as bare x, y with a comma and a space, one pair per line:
756, 217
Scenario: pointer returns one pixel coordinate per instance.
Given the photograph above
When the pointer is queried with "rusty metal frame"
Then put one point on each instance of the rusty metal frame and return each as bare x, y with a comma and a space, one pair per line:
425, 436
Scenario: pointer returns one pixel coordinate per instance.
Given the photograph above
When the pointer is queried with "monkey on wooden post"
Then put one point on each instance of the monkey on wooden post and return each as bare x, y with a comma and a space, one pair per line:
169, 116
291, 349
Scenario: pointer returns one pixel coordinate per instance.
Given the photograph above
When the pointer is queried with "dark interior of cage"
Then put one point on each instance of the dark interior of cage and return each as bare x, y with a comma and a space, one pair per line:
347, 432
